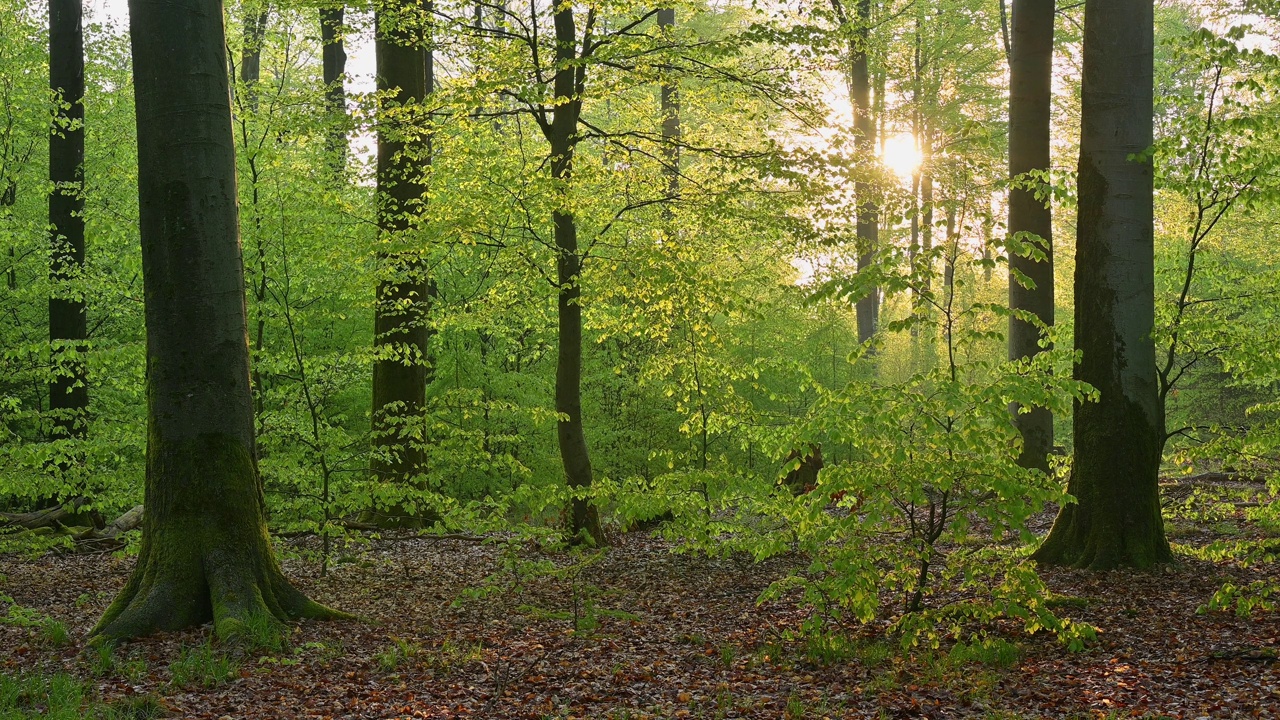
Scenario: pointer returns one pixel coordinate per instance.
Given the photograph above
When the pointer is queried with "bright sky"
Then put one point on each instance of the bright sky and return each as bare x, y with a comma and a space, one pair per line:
360, 59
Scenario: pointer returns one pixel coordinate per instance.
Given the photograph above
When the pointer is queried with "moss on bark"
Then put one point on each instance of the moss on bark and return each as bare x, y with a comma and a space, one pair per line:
205, 550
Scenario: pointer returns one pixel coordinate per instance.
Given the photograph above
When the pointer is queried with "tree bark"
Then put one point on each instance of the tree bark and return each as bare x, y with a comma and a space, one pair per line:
68, 328
1116, 520
670, 105
868, 222
401, 335
205, 552
255, 31
334, 67
562, 133
1030, 219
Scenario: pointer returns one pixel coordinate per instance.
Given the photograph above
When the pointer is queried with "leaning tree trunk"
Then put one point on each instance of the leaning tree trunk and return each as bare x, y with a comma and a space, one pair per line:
868, 308
334, 67
400, 328
1116, 518
1030, 219
562, 134
205, 552
68, 389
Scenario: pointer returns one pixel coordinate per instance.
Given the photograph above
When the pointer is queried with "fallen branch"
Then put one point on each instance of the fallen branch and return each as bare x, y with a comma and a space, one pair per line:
111, 536
49, 517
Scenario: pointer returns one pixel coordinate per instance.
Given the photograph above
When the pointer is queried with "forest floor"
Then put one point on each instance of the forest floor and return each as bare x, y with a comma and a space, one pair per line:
658, 635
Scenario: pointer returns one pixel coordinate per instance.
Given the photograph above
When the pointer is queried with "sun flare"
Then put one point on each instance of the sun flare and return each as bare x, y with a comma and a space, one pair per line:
901, 155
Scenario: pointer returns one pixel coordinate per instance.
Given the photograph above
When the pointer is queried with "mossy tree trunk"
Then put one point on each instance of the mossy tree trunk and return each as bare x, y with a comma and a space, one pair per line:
401, 333
1116, 520
1030, 219
68, 329
205, 552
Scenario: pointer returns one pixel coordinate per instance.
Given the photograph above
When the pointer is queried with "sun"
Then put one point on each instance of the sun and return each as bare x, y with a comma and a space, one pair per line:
901, 155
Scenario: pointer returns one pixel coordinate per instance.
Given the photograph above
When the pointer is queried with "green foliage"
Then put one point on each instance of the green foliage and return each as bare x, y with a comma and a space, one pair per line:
1260, 595
31, 695
399, 652
63, 697
201, 666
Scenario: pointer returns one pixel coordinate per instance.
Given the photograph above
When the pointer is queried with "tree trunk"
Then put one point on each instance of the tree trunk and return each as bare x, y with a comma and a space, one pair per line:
1116, 519
1030, 219
562, 134
255, 31
868, 308
670, 103
401, 335
926, 209
952, 252
68, 391
334, 67
205, 552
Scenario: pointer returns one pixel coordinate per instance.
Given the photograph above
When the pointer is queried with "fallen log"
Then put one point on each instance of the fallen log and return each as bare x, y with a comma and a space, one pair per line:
49, 517
112, 535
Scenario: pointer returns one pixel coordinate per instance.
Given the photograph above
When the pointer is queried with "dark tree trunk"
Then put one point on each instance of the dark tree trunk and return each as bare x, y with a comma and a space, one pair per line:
868, 308
8, 198
562, 133
1116, 519
68, 391
255, 31
670, 103
205, 552
334, 67
401, 335
1030, 219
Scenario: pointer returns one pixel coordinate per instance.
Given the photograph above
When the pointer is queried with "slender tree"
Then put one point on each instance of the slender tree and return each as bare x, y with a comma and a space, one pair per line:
68, 329
568, 86
404, 70
1030, 219
1116, 517
864, 123
205, 552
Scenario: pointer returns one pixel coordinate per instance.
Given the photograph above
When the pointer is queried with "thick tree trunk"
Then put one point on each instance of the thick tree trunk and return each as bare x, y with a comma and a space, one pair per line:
205, 552
868, 308
401, 335
68, 329
1116, 519
1030, 219
562, 135
332, 28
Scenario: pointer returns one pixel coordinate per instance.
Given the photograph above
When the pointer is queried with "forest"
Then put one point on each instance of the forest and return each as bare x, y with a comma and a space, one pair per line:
591, 359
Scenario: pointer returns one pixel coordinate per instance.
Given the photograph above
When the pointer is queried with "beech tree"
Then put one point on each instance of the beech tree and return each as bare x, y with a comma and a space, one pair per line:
334, 67
68, 328
561, 131
1116, 518
205, 553
868, 211
1030, 219
401, 335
